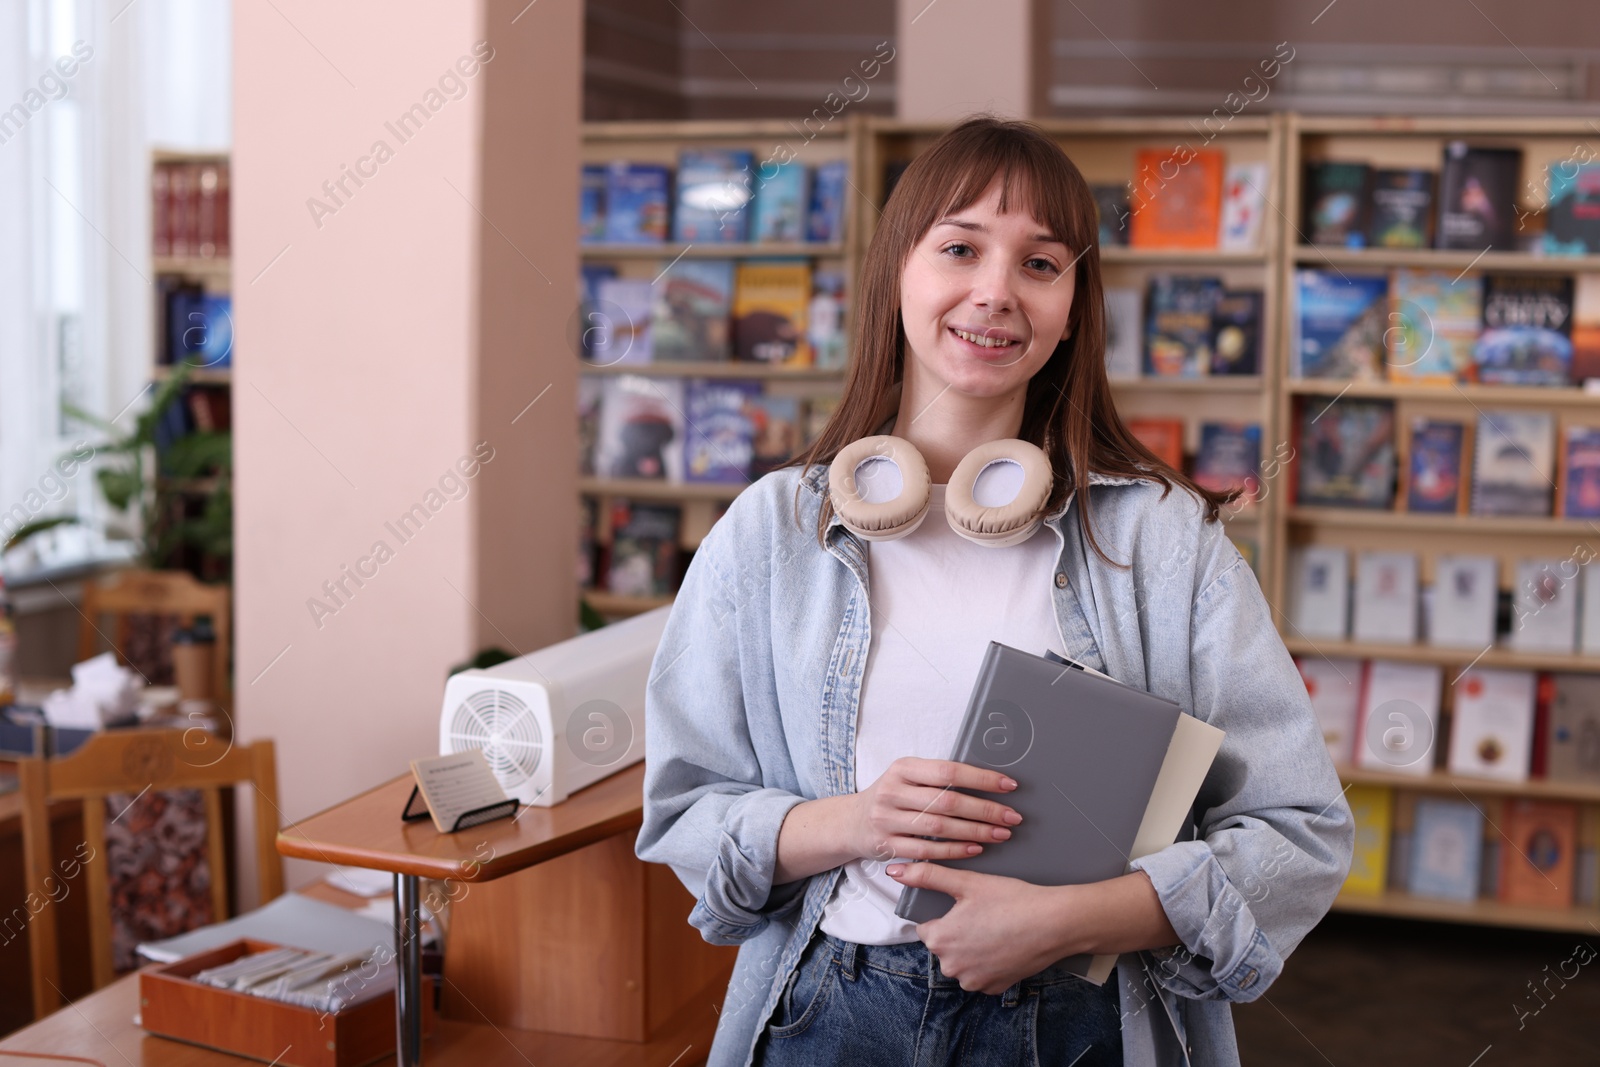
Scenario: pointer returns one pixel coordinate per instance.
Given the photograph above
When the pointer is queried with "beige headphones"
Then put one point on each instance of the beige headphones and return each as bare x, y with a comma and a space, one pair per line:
879, 487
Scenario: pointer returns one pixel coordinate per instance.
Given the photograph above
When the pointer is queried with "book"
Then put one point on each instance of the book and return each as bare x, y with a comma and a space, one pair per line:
1339, 325
1477, 198
825, 216
1513, 468
714, 191
1334, 686
1320, 594
770, 299
1493, 809
775, 433
1336, 203
1346, 455
1589, 625
1401, 210
690, 313
825, 321
1465, 595
592, 203
1578, 477
819, 411
1572, 745
591, 389
1586, 880
1585, 329
1386, 597
1446, 846
1433, 324
719, 432
1572, 215
1398, 724
1491, 725
593, 321
1176, 204
1236, 332
588, 544
782, 203
1111, 211
1124, 333
1539, 866
1373, 809
1527, 330
1435, 467
1400, 836
1244, 202
641, 428
637, 202
643, 558
1178, 328
1544, 607
1229, 458
1164, 437
625, 310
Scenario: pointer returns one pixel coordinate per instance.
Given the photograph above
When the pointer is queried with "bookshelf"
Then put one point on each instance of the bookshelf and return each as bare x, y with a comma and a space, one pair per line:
1419, 143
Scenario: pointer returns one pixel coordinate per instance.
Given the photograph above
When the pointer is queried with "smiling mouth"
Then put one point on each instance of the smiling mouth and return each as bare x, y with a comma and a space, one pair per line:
983, 342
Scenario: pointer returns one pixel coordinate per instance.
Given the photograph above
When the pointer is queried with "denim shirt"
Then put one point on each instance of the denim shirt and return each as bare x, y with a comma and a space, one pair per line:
751, 704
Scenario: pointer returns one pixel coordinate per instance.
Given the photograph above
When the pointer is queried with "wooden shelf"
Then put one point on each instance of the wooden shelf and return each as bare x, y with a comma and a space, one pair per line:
203, 265
1460, 392
711, 250
715, 369
1457, 784
1497, 656
1478, 913
618, 604
1221, 383
651, 489
1180, 257
1374, 519
197, 375
1381, 259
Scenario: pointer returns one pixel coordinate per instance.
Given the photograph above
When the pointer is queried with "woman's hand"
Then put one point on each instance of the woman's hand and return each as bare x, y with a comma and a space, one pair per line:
917, 798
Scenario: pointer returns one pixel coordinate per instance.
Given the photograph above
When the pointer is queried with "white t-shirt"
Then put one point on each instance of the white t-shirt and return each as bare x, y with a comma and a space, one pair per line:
937, 602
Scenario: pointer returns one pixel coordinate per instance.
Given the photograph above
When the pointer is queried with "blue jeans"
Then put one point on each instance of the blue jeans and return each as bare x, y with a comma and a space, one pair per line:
891, 1005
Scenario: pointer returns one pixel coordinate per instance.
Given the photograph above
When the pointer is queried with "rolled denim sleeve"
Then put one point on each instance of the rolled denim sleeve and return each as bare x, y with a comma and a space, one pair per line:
711, 811
1274, 833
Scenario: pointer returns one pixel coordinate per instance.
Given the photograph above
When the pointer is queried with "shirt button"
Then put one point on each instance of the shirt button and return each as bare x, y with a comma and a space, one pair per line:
1061, 579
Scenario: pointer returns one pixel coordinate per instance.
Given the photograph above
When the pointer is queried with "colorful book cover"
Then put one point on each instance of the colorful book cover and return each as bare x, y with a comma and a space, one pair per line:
1580, 472
591, 321
1435, 464
770, 300
1339, 325
1513, 467
644, 549
1178, 330
1111, 209
1236, 332
1320, 593
713, 195
1491, 724
830, 348
1433, 323
1544, 607
1401, 212
1397, 729
637, 202
1176, 204
691, 313
1229, 457
719, 433
592, 203
781, 203
1373, 808
1539, 869
1465, 598
1527, 330
776, 433
1164, 437
1347, 454
1385, 610
1336, 203
1446, 847
1477, 198
1585, 329
1572, 217
621, 330
1572, 752
825, 218
1243, 207
641, 428
1334, 688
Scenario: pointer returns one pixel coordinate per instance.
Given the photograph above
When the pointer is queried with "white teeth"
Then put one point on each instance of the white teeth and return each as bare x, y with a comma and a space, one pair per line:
986, 342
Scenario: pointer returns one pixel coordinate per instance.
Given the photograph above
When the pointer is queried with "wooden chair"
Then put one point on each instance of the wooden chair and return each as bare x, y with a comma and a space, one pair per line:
129, 762
139, 592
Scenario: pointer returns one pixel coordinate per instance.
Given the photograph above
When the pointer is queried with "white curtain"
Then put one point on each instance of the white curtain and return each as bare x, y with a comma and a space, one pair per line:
87, 89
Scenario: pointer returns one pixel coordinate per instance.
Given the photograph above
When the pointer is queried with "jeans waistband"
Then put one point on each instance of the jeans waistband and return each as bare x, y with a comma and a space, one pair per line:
913, 960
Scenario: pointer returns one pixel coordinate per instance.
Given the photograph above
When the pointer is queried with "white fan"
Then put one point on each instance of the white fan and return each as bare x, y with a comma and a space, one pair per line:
561, 718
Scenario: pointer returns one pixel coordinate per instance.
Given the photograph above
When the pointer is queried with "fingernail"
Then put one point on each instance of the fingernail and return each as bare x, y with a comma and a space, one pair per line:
973, 850
1013, 818
1008, 783
1001, 833
894, 870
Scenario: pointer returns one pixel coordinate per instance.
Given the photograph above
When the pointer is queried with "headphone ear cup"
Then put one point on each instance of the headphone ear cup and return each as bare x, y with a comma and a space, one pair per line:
860, 466
1000, 524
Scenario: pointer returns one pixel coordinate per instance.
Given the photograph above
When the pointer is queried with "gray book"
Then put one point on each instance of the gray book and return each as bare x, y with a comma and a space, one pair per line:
1085, 751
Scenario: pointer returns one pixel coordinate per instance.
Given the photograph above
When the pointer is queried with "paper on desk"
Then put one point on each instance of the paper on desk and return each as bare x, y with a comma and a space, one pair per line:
362, 881
456, 783
291, 920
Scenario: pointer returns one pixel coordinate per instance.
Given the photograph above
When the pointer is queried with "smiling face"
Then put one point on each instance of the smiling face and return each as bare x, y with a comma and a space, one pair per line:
985, 297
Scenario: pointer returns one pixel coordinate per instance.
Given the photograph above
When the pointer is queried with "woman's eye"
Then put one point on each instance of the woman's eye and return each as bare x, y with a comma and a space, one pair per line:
958, 249
1042, 265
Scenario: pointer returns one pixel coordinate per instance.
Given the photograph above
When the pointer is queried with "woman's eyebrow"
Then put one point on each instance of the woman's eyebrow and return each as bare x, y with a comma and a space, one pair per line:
978, 227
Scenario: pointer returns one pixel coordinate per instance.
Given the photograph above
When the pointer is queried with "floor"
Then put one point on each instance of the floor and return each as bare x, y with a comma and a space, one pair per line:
1372, 992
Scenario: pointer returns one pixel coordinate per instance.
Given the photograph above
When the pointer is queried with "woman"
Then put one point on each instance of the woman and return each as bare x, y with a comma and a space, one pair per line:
797, 712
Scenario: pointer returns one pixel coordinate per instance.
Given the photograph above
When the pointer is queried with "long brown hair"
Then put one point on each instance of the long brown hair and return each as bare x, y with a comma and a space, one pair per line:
1068, 411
